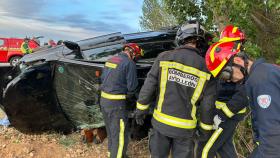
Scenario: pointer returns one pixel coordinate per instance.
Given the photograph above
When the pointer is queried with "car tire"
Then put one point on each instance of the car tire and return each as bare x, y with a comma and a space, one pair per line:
14, 60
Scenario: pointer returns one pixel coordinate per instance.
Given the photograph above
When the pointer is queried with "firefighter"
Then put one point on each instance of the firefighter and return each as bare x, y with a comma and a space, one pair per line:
228, 93
182, 81
119, 82
221, 141
51, 43
25, 47
227, 61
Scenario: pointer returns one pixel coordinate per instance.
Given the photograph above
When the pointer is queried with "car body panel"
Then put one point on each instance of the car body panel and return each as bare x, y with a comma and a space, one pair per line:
30, 103
3, 50
71, 83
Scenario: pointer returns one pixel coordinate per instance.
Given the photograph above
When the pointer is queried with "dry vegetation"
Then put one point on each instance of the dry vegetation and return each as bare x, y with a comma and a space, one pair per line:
14, 144
243, 138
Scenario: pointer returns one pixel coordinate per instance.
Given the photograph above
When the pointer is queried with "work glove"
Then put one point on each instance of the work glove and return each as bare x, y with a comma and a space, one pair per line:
140, 116
217, 121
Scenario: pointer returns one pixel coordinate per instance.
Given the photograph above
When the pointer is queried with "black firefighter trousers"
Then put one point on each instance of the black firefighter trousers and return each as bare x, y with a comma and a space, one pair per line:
160, 146
221, 142
116, 121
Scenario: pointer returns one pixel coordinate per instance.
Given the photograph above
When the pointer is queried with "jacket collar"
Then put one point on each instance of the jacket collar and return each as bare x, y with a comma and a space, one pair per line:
256, 63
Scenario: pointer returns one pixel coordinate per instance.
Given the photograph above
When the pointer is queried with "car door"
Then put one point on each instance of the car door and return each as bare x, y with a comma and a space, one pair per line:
3, 50
76, 81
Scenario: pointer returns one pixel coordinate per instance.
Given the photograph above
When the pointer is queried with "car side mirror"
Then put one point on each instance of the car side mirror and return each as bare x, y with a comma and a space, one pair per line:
72, 45
75, 48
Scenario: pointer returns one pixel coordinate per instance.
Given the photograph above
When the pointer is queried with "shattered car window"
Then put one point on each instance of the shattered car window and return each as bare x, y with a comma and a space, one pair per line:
77, 91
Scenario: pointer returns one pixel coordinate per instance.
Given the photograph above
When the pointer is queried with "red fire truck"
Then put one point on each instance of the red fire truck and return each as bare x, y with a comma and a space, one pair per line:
10, 51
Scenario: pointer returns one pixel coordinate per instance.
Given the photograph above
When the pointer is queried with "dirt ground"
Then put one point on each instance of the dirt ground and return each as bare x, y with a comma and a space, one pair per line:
14, 144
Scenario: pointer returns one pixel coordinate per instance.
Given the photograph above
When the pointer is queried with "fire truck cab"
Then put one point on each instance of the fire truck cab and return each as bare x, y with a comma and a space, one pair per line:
10, 49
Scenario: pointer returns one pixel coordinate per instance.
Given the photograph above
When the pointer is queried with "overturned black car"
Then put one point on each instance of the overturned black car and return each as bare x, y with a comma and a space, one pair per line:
58, 88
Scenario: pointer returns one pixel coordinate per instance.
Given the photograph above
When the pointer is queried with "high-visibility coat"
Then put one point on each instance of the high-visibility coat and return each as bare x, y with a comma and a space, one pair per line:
184, 87
25, 48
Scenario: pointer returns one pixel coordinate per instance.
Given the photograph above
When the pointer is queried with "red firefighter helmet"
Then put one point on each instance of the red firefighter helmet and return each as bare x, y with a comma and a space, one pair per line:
137, 51
219, 54
231, 33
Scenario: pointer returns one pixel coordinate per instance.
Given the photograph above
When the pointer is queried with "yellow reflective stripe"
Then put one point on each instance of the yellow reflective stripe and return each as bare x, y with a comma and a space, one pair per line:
228, 39
174, 121
111, 65
121, 139
193, 113
206, 126
163, 82
227, 111
185, 68
203, 76
141, 106
210, 142
258, 143
219, 105
223, 106
196, 95
242, 111
112, 96
234, 29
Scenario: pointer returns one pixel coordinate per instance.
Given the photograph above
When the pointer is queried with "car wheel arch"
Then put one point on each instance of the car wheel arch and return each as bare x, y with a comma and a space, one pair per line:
14, 57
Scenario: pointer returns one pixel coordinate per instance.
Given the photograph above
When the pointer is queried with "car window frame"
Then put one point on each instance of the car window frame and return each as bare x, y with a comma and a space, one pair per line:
1, 45
93, 43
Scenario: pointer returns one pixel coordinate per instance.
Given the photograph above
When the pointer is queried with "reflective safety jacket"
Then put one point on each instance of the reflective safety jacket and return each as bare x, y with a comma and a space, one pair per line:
119, 78
233, 94
263, 89
183, 82
25, 48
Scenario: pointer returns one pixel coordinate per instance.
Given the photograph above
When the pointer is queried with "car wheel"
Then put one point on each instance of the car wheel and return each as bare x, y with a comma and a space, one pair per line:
14, 60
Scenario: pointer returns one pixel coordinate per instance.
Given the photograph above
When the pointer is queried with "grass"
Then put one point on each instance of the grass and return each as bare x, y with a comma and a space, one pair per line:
67, 141
243, 138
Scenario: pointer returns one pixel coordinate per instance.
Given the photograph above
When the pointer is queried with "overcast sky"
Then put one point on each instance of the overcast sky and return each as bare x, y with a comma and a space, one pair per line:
68, 19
